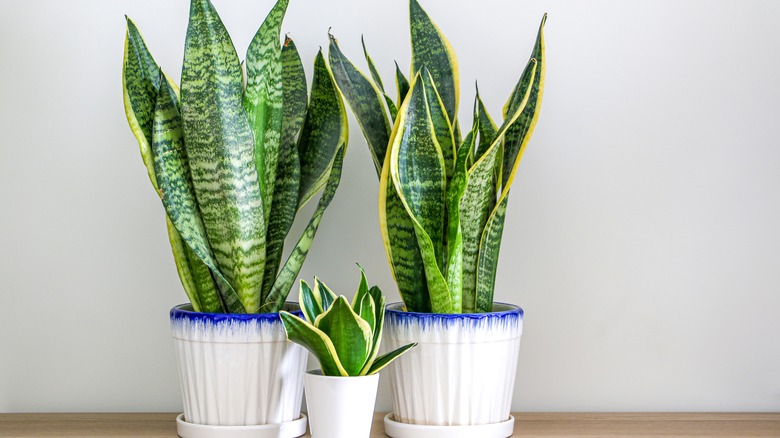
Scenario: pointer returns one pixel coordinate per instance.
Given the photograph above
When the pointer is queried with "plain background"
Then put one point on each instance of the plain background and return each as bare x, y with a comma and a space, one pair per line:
643, 233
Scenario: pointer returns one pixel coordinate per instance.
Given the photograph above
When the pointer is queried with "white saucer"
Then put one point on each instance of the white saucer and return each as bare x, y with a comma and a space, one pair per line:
395, 429
289, 429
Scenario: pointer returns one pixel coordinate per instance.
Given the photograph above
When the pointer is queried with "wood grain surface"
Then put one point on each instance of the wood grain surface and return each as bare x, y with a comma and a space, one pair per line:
527, 425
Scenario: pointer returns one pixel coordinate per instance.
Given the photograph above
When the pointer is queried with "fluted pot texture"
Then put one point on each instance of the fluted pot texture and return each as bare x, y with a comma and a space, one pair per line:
462, 372
237, 369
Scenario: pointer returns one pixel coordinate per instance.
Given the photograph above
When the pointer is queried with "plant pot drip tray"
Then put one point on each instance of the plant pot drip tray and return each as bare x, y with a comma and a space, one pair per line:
288, 429
395, 429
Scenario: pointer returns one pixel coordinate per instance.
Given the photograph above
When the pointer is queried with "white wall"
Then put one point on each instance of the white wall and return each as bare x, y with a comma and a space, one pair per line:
642, 236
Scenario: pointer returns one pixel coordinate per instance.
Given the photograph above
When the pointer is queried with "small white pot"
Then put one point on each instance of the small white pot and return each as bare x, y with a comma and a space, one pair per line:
462, 372
238, 370
340, 407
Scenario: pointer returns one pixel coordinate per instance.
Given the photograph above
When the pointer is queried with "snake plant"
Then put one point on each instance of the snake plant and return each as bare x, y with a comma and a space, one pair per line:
442, 199
345, 339
234, 157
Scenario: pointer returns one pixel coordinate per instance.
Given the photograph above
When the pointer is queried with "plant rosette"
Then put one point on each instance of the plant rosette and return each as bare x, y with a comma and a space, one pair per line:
238, 374
443, 200
461, 375
345, 339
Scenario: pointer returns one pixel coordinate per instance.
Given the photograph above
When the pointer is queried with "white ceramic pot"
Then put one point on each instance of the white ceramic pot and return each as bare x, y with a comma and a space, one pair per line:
238, 370
340, 407
462, 372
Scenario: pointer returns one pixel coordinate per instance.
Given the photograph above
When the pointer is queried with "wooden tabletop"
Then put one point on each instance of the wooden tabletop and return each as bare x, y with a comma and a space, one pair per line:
527, 425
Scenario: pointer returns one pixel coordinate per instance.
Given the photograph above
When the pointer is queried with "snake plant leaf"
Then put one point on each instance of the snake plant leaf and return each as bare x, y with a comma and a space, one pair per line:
325, 295
391, 106
441, 123
365, 99
324, 131
371, 67
173, 176
455, 190
402, 84
292, 266
401, 245
182, 266
516, 138
309, 303
531, 86
314, 340
419, 176
487, 129
487, 262
140, 86
379, 308
385, 359
475, 206
263, 98
285, 195
351, 335
431, 49
222, 160
363, 304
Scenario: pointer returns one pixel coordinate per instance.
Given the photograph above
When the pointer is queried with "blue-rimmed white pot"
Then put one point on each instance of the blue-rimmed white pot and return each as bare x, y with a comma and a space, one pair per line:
238, 371
461, 374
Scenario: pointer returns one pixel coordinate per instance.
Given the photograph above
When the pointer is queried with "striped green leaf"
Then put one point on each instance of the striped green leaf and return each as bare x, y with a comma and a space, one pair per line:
431, 49
487, 263
379, 317
419, 176
526, 103
351, 335
309, 303
292, 266
391, 106
487, 129
222, 160
362, 303
173, 176
371, 66
477, 201
455, 190
323, 293
324, 131
285, 195
140, 86
314, 340
385, 359
402, 84
263, 99
400, 244
365, 100
517, 137
441, 123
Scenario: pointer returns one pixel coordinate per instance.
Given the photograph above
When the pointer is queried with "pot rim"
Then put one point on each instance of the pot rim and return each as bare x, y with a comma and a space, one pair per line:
316, 372
511, 309
184, 311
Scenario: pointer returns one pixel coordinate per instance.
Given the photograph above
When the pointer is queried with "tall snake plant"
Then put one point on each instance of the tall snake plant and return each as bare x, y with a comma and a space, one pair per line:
442, 199
234, 158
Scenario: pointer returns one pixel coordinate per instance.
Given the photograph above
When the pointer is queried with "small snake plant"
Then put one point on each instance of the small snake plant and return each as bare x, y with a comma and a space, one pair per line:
234, 157
442, 199
345, 339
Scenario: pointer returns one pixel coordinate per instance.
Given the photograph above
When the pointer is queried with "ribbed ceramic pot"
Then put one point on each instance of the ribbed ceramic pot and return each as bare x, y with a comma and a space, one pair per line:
462, 372
238, 369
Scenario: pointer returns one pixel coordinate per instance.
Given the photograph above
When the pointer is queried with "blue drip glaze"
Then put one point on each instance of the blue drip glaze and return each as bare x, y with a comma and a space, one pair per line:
396, 316
185, 312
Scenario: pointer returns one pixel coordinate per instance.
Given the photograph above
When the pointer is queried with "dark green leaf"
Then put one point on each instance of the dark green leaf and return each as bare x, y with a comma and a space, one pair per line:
365, 100
222, 160
315, 341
